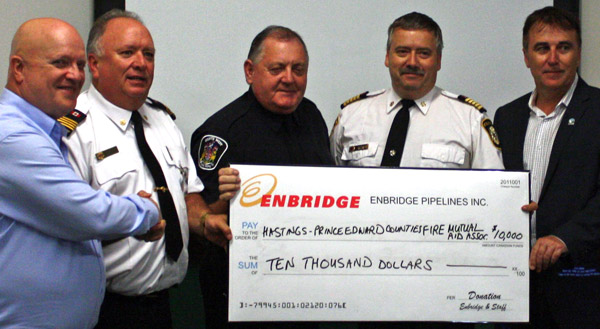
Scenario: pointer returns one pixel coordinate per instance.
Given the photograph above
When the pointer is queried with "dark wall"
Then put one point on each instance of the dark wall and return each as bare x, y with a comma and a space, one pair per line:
570, 5
102, 6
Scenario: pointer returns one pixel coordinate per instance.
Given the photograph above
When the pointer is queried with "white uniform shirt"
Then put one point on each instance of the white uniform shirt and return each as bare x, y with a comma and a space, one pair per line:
443, 133
134, 267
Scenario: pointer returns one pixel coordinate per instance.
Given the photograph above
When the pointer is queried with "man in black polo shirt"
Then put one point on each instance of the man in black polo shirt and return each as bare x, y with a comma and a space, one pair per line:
272, 123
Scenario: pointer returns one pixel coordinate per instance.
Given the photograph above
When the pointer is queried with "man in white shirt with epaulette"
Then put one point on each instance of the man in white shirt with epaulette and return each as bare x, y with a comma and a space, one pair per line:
127, 142
439, 130
415, 123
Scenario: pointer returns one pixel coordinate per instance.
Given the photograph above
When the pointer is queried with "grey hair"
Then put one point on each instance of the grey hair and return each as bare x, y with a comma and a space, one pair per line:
99, 27
417, 21
280, 33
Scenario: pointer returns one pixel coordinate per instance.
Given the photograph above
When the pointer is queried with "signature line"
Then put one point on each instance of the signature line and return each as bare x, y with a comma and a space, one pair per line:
484, 266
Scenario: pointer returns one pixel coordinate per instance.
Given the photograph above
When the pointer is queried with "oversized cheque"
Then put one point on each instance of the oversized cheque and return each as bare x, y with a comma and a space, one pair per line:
347, 244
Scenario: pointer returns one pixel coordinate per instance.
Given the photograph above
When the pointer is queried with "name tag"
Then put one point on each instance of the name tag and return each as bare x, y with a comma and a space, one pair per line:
106, 153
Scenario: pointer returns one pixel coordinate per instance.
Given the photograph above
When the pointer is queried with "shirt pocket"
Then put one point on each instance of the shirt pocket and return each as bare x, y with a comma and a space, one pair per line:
359, 151
114, 172
177, 165
442, 156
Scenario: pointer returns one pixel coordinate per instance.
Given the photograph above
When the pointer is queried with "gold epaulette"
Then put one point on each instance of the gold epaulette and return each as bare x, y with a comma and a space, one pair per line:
486, 123
471, 102
465, 100
71, 120
156, 104
358, 97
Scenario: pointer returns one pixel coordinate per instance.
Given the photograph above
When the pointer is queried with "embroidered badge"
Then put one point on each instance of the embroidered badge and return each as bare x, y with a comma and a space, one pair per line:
491, 131
212, 149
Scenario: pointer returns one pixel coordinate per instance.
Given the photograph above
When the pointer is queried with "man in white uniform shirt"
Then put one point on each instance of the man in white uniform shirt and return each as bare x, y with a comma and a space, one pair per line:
112, 149
443, 130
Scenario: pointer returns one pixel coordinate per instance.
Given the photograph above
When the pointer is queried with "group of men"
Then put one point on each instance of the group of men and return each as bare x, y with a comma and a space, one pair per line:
79, 185
70, 179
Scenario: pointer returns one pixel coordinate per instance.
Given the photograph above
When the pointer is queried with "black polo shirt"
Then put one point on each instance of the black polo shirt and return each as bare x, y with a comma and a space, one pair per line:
245, 132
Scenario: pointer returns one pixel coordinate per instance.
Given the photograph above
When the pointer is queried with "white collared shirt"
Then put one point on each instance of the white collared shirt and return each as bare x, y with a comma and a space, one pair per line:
134, 267
539, 138
443, 133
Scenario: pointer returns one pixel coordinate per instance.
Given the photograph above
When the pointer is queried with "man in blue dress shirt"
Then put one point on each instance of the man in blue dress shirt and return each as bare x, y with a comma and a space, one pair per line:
51, 269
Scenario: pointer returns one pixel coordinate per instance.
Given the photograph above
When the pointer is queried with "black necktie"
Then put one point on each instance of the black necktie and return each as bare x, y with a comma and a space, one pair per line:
173, 240
397, 136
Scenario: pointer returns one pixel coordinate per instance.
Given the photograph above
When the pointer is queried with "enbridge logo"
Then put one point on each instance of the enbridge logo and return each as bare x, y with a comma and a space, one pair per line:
252, 188
259, 189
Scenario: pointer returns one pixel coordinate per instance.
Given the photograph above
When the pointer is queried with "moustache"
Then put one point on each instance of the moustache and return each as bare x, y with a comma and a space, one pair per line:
412, 70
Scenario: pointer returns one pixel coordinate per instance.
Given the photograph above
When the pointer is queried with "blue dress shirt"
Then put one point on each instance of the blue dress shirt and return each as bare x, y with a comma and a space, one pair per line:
51, 267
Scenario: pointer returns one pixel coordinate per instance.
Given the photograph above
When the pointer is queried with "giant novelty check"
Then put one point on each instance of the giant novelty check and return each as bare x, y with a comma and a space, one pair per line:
362, 244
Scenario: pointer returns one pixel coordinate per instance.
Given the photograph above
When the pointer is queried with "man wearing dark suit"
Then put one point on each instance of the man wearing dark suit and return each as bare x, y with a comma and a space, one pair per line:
554, 132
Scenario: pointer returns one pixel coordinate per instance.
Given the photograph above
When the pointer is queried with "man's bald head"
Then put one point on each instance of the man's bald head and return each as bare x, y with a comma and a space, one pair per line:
47, 59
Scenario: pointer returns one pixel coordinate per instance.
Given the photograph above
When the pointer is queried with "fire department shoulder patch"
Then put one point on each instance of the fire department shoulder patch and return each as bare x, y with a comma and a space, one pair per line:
212, 148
